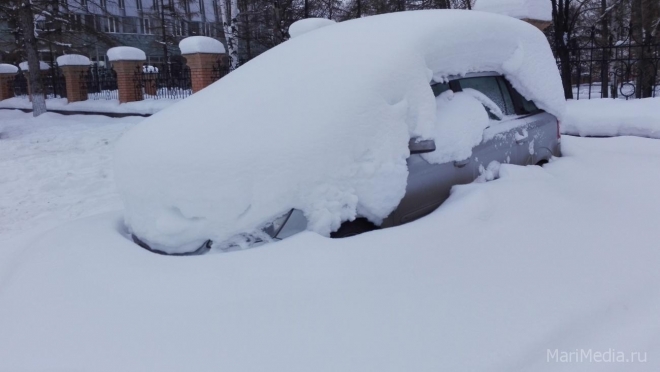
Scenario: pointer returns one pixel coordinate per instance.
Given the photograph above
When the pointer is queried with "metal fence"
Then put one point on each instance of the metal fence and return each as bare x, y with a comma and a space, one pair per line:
171, 81
100, 83
18, 84
219, 70
622, 67
54, 82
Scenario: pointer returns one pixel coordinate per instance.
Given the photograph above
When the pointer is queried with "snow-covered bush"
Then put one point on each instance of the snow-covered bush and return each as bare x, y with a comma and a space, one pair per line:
320, 123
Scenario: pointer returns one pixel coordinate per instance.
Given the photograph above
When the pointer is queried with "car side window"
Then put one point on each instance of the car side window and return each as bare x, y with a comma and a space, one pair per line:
527, 106
440, 88
494, 87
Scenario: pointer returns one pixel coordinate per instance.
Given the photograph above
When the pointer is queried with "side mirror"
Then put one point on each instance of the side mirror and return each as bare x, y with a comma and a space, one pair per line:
417, 146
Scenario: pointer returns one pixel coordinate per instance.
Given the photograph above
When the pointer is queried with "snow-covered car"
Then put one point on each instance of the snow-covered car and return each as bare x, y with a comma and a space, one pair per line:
363, 124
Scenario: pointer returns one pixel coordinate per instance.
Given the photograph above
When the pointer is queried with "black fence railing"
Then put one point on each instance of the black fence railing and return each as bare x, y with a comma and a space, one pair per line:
54, 83
18, 84
100, 83
219, 70
169, 82
623, 67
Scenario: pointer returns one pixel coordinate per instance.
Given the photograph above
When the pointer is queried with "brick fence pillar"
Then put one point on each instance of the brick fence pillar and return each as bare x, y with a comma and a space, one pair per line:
7, 74
127, 61
202, 53
74, 66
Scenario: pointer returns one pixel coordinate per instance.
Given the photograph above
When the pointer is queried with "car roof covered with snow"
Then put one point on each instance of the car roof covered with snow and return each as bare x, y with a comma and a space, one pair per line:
320, 123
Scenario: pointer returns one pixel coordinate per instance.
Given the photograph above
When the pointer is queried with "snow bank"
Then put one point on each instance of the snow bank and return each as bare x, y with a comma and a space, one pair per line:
522, 9
201, 44
124, 53
458, 115
6, 68
308, 24
144, 107
613, 117
73, 60
326, 134
42, 66
475, 286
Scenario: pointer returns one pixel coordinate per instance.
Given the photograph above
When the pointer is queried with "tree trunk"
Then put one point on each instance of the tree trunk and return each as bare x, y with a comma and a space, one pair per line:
230, 28
604, 68
26, 23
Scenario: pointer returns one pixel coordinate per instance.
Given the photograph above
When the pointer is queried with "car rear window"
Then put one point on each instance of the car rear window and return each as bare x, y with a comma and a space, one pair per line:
494, 87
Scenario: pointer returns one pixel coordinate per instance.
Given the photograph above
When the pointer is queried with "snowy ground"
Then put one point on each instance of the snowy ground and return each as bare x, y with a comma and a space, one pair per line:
503, 277
55, 168
612, 117
148, 106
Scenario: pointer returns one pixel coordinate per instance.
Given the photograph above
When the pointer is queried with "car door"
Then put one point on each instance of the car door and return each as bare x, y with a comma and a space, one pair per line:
505, 138
541, 130
429, 184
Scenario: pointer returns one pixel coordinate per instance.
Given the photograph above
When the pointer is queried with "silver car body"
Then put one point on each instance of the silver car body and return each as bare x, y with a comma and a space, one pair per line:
525, 136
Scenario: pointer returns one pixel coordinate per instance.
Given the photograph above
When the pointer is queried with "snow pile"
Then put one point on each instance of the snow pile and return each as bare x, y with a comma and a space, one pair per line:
42, 66
326, 134
613, 117
124, 53
460, 121
73, 60
308, 24
144, 107
56, 168
522, 9
6, 68
201, 44
475, 286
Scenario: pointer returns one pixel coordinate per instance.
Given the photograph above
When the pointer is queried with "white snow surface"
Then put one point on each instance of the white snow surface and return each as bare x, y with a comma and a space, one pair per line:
201, 44
147, 106
73, 60
6, 68
42, 66
306, 25
187, 175
613, 117
472, 287
124, 53
532, 9
55, 168
460, 122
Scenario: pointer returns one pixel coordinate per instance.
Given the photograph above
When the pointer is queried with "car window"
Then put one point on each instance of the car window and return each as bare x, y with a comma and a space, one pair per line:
494, 87
440, 88
528, 106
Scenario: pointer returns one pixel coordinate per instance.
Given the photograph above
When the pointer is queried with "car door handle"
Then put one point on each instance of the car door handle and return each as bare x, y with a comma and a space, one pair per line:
462, 163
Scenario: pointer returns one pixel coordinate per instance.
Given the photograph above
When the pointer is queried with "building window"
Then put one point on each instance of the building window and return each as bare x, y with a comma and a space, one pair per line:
202, 9
138, 4
110, 25
122, 4
179, 28
130, 25
104, 4
73, 23
145, 26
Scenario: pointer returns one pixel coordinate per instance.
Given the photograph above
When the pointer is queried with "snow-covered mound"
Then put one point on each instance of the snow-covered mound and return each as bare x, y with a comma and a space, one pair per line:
6, 68
201, 44
320, 123
308, 24
42, 66
522, 9
124, 53
73, 60
608, 117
